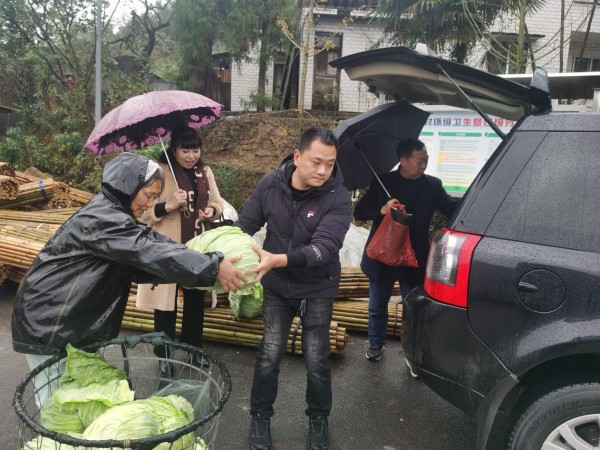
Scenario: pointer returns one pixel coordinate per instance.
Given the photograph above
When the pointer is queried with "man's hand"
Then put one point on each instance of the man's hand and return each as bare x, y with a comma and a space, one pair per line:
268, 261
385, 208
230, 278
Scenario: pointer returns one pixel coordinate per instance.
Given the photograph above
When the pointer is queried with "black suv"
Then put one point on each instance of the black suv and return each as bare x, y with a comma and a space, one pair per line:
508, 318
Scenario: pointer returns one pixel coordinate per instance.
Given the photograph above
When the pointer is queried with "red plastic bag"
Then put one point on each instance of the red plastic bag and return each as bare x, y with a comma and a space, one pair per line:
391, 242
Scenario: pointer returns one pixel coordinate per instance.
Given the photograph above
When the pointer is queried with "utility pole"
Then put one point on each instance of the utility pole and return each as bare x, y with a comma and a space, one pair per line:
98, 96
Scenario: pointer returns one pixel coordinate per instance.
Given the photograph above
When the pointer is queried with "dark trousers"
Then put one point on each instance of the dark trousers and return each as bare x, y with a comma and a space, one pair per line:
278, 314
192, 320
379, 298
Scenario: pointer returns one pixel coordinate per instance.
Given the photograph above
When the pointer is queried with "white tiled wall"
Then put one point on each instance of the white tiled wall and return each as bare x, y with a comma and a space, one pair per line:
244, 81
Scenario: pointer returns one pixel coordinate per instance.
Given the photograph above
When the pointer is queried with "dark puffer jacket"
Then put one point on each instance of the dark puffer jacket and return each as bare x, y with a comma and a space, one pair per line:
316, 224
77, 288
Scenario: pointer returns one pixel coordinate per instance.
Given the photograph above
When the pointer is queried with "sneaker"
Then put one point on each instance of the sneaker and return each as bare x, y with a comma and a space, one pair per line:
260, 432
374, 353
318, 433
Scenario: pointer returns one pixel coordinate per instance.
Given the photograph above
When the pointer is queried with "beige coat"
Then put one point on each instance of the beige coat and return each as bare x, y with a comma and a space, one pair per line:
163, 296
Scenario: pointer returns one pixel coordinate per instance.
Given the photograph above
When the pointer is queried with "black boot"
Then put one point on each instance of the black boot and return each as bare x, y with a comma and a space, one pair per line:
318, 433
260, 432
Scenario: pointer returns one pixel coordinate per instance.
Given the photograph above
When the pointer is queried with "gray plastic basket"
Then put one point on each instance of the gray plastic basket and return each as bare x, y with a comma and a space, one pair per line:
135, 355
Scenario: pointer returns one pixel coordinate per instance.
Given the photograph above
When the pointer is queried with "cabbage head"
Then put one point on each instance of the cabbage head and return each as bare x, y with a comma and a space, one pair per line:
46, 443
231, 241
88, 387
145, 418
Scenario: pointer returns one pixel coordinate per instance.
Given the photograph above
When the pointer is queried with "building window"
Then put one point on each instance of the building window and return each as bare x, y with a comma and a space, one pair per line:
587, 65
326, 78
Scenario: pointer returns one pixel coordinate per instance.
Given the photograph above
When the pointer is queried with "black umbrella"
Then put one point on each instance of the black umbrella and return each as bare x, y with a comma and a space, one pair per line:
367, 142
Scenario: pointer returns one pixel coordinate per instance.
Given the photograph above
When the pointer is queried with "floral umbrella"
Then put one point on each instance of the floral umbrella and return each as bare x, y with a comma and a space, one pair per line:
150, 118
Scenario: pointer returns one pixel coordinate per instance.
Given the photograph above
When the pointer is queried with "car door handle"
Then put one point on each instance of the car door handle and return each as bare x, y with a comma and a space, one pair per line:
528, 287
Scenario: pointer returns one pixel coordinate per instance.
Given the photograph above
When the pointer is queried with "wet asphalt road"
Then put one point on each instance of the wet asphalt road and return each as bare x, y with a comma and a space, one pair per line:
376, 406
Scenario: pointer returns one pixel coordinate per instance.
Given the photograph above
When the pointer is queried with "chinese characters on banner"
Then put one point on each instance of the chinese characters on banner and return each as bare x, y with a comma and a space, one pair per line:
459, 143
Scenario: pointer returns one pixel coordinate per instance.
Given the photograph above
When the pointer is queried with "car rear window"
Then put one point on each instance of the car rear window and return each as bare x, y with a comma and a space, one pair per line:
556, 199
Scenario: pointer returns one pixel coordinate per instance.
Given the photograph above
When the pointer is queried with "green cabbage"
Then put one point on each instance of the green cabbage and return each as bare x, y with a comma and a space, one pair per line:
145, 418
88, 387
94, 402
83, 368
231, 241
46, 443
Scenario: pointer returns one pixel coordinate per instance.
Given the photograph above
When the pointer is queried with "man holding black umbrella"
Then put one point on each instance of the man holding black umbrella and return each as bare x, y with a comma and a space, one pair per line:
421, 195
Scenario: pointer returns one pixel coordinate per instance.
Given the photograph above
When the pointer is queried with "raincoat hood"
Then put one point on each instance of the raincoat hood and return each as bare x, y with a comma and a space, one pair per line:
123, 177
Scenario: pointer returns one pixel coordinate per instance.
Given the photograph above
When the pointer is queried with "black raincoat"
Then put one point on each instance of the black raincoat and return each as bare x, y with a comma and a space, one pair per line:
77, 288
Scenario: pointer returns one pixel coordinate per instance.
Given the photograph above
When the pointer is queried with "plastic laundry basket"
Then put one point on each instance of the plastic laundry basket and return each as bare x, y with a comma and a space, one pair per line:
134, 355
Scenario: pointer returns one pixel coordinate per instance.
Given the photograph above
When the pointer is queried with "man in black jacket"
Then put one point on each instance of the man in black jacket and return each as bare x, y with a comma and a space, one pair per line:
421, 195
307, 212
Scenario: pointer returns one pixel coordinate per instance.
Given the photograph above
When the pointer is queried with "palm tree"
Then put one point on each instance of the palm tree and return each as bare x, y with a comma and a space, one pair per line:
443, 25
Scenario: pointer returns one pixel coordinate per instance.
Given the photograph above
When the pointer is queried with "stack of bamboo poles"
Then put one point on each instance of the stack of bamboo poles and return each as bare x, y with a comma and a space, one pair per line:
37, 190
355, 284
220, 326
9, 188
354, 315
18, 252
34, 171
21, 241
48, 216
75, 197
47, 191
79, 197
5, 169
23, 177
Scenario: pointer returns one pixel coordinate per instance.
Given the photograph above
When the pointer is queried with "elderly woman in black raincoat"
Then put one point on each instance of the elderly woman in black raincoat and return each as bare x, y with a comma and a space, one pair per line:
76, 290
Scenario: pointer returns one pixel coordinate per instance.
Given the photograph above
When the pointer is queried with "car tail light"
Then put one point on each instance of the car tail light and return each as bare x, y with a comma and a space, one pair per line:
448, 266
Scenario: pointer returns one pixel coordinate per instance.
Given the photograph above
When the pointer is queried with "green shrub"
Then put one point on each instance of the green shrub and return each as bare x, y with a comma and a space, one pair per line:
262, 102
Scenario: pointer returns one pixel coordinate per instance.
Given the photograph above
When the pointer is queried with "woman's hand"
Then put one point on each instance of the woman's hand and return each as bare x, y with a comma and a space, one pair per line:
230, 278
268, 261
178, 199
206, 214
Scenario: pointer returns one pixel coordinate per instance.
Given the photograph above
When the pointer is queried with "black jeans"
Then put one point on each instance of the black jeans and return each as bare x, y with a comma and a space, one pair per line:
192, 318
278, 314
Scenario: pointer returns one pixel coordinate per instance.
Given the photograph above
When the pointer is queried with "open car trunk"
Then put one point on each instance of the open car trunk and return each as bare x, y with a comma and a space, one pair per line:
404, 74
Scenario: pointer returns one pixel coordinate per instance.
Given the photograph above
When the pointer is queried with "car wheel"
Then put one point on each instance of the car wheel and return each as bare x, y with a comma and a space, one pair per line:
567, 418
